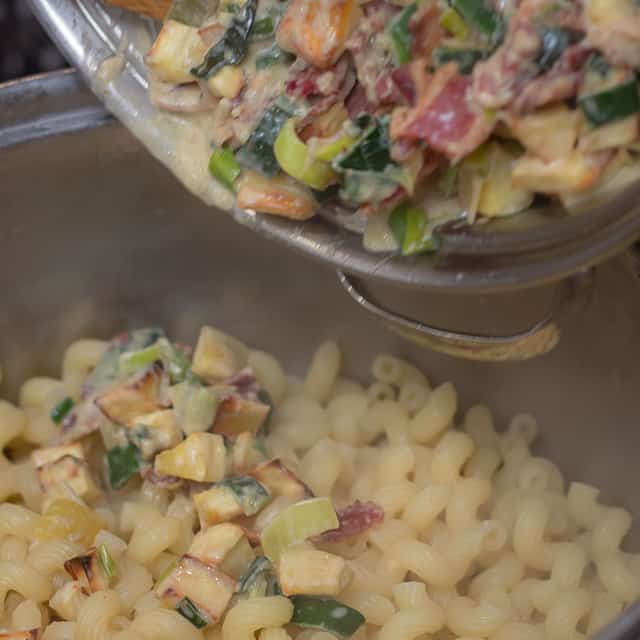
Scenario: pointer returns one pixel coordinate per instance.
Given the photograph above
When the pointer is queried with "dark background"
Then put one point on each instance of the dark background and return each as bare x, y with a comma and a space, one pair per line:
24, 47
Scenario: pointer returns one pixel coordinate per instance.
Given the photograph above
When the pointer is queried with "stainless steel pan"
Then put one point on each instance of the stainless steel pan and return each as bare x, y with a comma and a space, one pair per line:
96, 236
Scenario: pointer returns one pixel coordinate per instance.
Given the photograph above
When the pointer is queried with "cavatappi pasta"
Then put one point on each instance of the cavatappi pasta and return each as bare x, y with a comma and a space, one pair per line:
155, 492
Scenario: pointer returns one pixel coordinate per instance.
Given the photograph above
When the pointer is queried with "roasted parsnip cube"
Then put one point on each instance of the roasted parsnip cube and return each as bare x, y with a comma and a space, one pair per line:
213, 544
201, 584
574, 172
224, 545
280, 481
227, 83
237, 415
216, 505
549, 133
318, 31
155, 8
177, 49
31, 634
156, 431
67, 600
247, 451
215, 357
312, 572
125, 404
44, 456
200, 457
67, 471
93, 571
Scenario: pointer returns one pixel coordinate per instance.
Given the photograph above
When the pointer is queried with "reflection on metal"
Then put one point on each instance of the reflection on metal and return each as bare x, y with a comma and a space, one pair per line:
534, 341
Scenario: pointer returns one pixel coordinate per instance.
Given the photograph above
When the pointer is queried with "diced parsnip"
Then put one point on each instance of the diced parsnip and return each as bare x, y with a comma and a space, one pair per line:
621, 172
498, 196
125, 404
44, 456
205, 585
231, 498
200, 457
227, 83
66, 473
576, 172
548, 133
216, 505
225, 546
31, 634
238, 559
609, 136
88, 571
312, 572
215, 357
67, 600
246, 453
237, 415
281, 196
280, 481
318, 31
177, 49
67, 519
160, 432
213, 544
155, 8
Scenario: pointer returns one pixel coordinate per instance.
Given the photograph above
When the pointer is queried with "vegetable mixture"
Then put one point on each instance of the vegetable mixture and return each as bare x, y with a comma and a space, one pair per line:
195, 424
159, 493
411, 113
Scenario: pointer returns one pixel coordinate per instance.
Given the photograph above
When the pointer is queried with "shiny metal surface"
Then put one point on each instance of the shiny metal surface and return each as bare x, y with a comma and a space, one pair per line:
96, 237
496, 257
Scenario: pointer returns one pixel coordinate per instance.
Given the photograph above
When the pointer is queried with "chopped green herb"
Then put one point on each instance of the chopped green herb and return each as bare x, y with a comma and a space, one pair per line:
224, 167
263, 27
259, 580
63, 407
123, 463
465, 58
232, 48
612, 104
250, 494
271, 56
107, 563
477, 15
401, 36
257, 153
326, 614
191, 612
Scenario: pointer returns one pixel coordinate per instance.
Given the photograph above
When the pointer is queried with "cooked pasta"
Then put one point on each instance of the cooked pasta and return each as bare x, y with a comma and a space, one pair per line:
208, 496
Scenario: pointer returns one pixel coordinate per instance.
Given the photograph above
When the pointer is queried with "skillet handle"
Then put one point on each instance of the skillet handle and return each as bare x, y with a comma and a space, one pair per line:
534, 341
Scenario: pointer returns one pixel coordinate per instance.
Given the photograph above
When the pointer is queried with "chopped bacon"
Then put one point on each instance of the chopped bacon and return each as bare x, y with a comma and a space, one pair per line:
357, 103
354, 520
562, 82
427, 33
244, 381
374, 68
443, 117
499, 79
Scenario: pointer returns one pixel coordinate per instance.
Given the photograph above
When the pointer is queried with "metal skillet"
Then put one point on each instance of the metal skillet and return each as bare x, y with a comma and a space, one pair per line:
536, 248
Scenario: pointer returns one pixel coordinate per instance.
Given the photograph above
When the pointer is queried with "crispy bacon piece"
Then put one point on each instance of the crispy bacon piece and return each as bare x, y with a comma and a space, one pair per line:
354, 519
443, 117
425, 27
560, 83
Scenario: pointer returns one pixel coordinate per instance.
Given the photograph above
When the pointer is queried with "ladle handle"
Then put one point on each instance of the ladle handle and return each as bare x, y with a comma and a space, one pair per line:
534, 341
